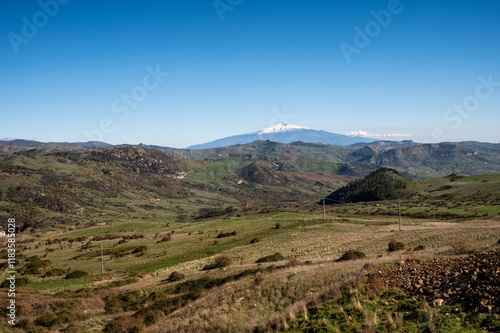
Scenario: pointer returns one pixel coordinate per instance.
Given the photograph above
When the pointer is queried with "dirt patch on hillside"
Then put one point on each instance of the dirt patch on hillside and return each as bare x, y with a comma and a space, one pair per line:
472, 281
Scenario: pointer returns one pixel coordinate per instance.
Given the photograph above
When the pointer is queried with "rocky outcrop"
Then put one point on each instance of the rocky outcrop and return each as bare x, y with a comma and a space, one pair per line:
259, 173
138, 159
473, 281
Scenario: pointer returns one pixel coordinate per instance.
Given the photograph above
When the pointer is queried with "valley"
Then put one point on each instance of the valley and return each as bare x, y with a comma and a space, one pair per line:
235, 241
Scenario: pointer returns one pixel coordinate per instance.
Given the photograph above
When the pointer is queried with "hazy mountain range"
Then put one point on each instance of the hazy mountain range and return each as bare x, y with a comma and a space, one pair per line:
293, 148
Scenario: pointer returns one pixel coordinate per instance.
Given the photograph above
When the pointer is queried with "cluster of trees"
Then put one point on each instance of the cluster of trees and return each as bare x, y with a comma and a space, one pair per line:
205, 213
383, 184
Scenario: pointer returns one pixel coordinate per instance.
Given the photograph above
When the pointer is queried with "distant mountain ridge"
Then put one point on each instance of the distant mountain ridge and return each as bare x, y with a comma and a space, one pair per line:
410, 158
285, 133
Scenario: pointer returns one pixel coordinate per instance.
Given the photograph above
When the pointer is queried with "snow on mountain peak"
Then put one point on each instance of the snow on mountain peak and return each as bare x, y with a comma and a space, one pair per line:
282, 127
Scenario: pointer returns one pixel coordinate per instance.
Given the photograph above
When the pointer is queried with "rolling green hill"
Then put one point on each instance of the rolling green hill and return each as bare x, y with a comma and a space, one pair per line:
231, 243
383, 184
389, 184
66, 187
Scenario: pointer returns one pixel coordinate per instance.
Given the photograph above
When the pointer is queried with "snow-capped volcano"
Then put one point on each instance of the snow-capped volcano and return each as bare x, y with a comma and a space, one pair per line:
285, 133
280, 128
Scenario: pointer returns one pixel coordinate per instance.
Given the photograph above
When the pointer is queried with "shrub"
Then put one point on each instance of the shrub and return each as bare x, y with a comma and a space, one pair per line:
455, 176
256, 240
22, 281
395, 246
152, 316
54, 272
32, 268
34, 265
129, 324
166, 238
273, 257
197, 286
76, 275
47, 319
62, 305
140, 249
220, 262
277, 225
32, 258
352, 255
175, 276
205, 213
419, 248
27, 325
226, 234
462, 246
129, 301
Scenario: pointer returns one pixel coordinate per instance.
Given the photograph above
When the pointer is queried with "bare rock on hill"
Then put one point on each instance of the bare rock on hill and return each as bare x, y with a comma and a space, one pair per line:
472, 281
262, 174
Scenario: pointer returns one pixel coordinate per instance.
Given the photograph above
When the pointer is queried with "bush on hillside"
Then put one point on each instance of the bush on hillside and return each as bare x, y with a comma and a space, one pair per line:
48, 319
462, 246
256, 240
140, 249
175, 276
220, 262
270, 258
22, 281
54, 272
226, 234
76, 275
395, 246
352, 255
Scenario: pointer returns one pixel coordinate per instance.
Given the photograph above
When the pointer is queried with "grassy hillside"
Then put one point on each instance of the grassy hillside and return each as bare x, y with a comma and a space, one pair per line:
59, 189
138, 288
451, 197
231, 245
383, 184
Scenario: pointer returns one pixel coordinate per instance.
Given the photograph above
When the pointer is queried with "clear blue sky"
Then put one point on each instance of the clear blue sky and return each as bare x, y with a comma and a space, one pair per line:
247, 66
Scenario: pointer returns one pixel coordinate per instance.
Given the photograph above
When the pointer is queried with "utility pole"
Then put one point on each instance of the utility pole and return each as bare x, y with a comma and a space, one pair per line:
399, 201
324, 214
102, 261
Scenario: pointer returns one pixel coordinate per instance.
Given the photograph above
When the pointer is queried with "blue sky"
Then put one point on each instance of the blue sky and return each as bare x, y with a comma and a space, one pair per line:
79, 70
